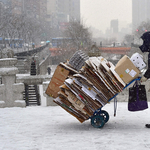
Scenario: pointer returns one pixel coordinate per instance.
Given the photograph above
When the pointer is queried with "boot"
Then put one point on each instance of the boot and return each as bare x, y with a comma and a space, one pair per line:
147, 125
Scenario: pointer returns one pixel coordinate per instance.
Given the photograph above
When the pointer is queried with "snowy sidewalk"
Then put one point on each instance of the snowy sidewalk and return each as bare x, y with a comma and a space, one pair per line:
52, 128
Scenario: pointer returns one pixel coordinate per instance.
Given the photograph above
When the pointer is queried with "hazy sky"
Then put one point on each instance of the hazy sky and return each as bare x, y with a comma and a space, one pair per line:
99, 13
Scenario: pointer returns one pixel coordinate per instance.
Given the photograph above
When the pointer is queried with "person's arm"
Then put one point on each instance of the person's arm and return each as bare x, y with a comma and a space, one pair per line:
147, 73
143, 79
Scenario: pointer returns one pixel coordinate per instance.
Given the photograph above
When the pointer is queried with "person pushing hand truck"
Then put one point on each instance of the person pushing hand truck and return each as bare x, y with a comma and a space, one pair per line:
145, 47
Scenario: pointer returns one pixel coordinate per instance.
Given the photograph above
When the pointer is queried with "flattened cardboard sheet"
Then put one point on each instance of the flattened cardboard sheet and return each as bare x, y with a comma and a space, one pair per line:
57, 80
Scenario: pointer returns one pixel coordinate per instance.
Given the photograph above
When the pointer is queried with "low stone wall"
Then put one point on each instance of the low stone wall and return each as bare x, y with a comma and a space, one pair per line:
45, 60
49, 99
44, 64
10, 91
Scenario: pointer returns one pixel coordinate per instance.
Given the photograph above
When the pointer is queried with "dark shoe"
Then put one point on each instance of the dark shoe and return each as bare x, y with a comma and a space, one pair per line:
147, 125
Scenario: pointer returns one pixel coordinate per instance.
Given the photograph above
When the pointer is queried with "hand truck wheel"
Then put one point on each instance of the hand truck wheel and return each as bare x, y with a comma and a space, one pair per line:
97, 121
105, 115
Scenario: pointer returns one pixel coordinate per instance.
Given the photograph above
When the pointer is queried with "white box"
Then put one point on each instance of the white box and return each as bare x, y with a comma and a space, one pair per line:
137, 60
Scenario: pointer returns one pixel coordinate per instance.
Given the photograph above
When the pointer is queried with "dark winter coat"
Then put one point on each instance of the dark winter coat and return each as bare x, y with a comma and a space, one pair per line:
146, 48
147, 73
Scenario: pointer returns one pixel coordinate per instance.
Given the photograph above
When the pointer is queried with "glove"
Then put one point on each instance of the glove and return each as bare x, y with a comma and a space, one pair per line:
143, 79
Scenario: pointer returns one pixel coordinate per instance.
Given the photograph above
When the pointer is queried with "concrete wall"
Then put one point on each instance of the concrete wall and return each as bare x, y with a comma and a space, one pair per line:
44, 64
10, 91
49, 100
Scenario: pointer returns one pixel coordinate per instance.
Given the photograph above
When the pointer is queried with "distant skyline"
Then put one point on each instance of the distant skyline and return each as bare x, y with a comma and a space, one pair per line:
99, 13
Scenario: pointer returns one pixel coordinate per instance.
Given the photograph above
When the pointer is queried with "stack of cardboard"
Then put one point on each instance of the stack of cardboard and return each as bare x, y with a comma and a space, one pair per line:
81, 92
87, 90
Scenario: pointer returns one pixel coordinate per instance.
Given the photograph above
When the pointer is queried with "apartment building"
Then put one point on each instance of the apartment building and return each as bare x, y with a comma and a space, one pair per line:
53, 11
16, 6
59, 11
140, 12
43, 9
32, 8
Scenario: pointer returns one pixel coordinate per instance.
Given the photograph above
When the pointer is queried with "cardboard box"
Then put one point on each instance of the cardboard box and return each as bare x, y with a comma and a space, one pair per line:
57, 80
126, 69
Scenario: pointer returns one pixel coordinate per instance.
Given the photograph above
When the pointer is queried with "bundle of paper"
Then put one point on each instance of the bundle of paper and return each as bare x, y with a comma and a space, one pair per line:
89, 89
107, 69
73, 103
97, 69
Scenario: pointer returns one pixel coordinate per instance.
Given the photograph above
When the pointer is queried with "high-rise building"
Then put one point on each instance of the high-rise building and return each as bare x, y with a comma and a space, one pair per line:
32, 8
59, 11
16, 7
6, 2
43, 9
114, 26
140, 12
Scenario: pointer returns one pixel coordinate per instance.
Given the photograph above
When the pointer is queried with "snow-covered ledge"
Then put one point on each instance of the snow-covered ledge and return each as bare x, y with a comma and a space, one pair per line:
11, 93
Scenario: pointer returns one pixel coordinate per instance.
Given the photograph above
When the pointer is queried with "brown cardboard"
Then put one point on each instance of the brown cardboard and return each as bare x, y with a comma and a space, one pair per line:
57, 80
126, 69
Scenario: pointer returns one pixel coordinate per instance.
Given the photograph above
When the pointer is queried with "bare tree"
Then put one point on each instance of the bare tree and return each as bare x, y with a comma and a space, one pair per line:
19, 26
128, 39
80, 37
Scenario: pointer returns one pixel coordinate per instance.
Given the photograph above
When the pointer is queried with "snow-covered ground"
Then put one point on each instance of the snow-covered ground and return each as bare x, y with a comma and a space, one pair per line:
52, 128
